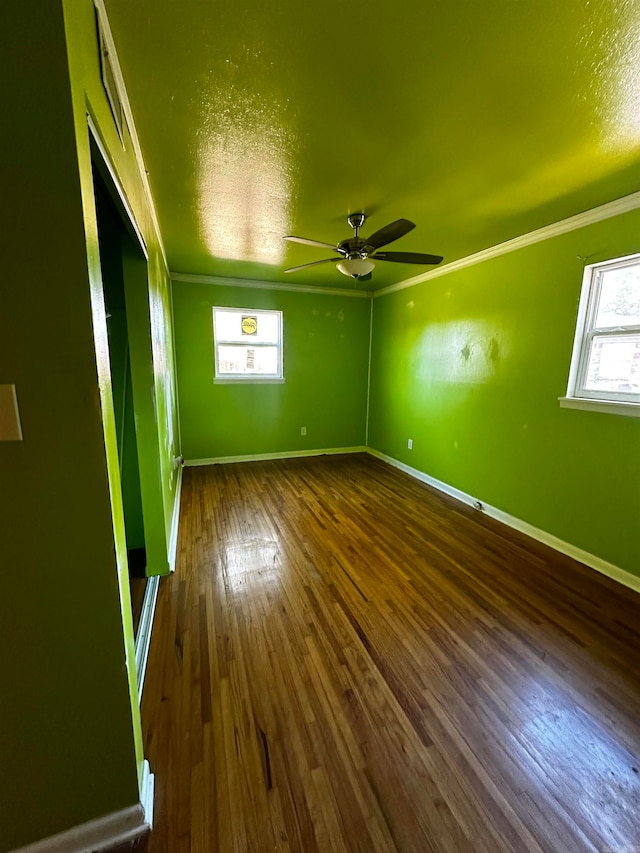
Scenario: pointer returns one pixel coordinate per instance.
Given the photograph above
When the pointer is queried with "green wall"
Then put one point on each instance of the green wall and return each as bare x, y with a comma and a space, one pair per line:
130, 471
326, 344
67, 749
158, 417
470, 365
70, 736
144, 385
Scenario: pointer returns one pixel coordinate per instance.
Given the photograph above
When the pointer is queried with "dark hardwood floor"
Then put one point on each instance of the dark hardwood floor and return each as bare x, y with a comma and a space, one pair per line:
347, 660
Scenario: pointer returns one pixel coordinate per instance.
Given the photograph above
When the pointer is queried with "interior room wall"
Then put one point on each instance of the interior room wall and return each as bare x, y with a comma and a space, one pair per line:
67, 746
326, 348
89, 98
470, 366
70, 741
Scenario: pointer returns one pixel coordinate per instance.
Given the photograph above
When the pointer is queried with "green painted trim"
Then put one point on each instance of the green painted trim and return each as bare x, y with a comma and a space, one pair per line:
126, 106
591, 560
291, 454
96, 137
564, 226
174, 365
267, 285
366, 422
139, 318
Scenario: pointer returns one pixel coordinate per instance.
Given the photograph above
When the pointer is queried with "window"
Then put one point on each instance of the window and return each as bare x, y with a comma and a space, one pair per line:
248, 345
605, 366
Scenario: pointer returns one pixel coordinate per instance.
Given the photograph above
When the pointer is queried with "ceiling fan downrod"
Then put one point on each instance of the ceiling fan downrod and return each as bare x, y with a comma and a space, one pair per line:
356, 221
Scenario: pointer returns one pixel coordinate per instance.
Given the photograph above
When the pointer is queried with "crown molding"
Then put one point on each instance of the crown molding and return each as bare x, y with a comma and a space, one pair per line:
597, 214
133, 133
265, 285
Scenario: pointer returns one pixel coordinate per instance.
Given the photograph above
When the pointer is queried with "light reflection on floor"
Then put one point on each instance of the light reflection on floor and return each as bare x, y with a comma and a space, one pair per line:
252, 563
570, 747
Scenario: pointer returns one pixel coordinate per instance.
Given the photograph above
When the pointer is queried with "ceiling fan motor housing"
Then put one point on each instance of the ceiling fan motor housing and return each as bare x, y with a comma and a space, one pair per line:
354, 247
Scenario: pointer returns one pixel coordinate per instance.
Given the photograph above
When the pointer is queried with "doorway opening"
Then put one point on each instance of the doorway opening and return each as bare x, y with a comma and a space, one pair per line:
114, 239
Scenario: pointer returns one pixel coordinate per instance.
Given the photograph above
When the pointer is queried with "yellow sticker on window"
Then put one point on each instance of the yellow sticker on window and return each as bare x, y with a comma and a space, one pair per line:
249, 325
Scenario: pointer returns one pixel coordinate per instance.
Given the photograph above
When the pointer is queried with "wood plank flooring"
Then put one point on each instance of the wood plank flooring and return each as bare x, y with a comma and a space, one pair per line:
347, 660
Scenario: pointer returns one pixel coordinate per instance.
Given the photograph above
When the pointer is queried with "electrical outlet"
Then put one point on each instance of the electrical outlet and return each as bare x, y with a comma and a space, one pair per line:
303, 430
410, 444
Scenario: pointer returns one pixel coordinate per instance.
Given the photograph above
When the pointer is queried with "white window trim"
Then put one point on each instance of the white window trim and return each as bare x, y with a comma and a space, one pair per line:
611, 407
250, 378
247, 380
576, 396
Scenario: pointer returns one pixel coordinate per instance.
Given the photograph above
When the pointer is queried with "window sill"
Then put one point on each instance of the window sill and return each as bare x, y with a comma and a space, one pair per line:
612, 407
246, 380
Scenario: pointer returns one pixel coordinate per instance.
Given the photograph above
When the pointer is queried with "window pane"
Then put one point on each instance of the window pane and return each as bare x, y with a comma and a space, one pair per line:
247, 361
614, 364
245, 326
619, 302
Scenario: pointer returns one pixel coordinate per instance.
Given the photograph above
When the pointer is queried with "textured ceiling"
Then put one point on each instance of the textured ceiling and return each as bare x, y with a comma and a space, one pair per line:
478, 121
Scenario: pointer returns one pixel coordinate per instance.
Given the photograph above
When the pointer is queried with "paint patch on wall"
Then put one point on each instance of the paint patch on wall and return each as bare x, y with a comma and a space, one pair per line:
467, 351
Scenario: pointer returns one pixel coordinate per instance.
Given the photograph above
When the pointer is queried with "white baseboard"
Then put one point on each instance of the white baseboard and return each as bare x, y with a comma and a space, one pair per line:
175, 523
290, 454
147, 791
105, 833
609, 569
145, 626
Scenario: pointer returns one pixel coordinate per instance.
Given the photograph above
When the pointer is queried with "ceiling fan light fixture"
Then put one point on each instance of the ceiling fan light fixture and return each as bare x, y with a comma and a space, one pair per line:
355, 267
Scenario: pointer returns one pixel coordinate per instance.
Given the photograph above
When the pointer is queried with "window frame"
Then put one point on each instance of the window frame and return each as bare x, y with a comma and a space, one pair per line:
586, 332
248, 378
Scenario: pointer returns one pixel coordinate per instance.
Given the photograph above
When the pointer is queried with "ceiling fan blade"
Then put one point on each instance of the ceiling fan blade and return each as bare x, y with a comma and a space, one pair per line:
311, 243
406, 257
314, 264
366, 277
389, 233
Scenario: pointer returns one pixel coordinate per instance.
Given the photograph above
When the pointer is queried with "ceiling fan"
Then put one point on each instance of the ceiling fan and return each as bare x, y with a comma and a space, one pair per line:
357, 255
